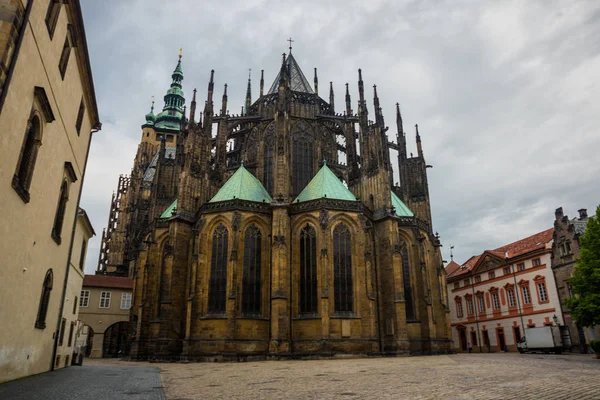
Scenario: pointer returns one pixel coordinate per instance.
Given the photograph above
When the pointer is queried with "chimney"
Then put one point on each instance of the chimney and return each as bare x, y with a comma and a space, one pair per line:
558, 213
582, 213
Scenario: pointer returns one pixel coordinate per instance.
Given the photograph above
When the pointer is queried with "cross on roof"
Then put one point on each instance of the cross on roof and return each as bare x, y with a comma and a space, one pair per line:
291, 41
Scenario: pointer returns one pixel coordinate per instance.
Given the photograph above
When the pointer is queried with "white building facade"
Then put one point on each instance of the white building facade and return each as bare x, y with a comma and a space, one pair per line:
494, 296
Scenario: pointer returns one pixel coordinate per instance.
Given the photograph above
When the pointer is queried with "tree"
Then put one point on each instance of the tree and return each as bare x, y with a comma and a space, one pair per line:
585, 283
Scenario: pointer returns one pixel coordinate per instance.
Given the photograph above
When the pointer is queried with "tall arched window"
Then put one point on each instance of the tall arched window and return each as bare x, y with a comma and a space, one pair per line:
60, 211
26, 165
268, 167
342, 269
218, 271
40, 321
302, 166
410, 308
251, 298
268, 155
308, 270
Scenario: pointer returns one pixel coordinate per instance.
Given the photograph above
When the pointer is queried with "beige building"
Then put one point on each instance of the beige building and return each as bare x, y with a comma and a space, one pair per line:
496, 295
47, 113
104, 308
71, 326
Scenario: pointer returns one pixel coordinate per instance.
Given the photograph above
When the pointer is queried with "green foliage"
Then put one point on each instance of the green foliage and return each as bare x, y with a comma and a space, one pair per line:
595, 345
585, 283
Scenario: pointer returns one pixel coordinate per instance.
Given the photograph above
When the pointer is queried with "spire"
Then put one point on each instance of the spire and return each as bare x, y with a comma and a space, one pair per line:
316, 83
362, 105
348, 101
262, 81
419, 148
193, 107
378, 112
400, 136
283, 71
291, 71
150, 117
224, 101
172, 113
249, 92
208, 106
331, 98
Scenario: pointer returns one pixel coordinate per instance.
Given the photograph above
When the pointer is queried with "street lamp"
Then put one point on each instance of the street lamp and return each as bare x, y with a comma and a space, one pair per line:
514, 274
474, 307
555, 318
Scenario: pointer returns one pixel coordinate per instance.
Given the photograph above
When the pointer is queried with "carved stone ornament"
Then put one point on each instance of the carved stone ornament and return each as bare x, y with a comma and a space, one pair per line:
195, 169
279, 240
236, 220
324, 218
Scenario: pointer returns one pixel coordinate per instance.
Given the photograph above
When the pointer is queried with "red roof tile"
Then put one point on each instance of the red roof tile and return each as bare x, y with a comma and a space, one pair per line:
451, 267
534, 242
118, 282
520, 247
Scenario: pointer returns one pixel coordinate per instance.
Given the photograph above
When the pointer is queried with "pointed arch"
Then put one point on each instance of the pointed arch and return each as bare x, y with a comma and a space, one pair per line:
268, 155
40, 321
408, 296
251, 280
251, 147
302, 157
218, 271
308, 299
342, 270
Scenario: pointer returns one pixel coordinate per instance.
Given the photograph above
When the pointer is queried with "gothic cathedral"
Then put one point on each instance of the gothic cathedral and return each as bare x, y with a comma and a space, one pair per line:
279, 234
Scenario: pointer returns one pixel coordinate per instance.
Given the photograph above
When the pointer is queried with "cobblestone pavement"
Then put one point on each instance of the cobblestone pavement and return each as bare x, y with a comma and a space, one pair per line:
90, 382
462, 376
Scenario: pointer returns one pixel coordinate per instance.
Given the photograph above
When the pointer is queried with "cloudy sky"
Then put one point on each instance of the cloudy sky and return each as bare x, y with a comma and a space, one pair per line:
506, 93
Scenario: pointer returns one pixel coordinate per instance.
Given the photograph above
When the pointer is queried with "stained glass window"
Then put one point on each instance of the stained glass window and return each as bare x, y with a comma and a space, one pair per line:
218, 271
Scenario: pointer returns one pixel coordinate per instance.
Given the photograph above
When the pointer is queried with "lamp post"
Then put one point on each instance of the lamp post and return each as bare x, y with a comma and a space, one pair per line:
474, 308
514, 274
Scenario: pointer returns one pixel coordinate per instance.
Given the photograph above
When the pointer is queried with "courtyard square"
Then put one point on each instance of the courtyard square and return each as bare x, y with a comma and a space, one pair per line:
461, 376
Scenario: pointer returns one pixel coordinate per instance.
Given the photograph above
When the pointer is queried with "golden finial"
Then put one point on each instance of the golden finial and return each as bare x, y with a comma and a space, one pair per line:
180, 52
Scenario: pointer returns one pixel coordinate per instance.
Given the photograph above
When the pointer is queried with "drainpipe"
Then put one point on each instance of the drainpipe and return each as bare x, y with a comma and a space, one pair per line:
64, 291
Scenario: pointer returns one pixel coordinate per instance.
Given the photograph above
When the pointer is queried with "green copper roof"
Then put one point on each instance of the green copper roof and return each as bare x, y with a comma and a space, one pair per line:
242, 185
325, 184
401, 209
169, 211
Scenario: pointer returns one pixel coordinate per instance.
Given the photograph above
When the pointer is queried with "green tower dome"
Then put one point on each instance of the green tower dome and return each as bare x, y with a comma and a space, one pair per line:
172, 114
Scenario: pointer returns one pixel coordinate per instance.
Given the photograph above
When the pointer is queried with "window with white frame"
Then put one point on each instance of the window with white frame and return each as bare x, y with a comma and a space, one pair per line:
125, 301
104, 299
521, 266
536, 262
542, 291
481, 304
495, 301
84, 299
469, 306
511, 297
526, 295
459, 308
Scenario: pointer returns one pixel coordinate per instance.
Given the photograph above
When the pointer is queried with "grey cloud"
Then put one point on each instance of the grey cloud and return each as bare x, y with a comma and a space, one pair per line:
505, 93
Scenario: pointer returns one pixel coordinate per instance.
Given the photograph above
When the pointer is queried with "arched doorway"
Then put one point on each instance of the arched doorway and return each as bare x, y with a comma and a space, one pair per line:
462, 337
116, 343
89, 341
